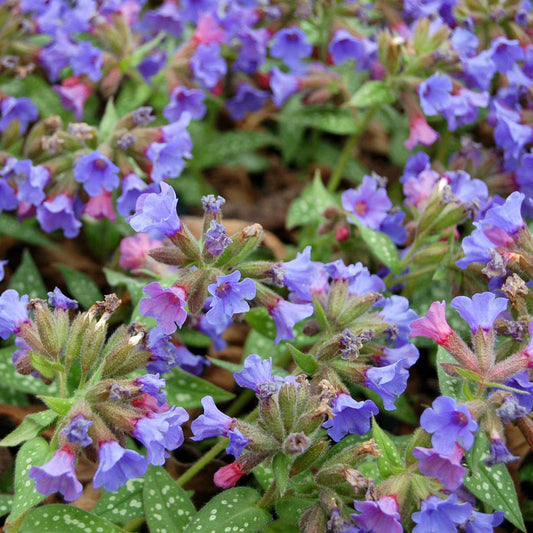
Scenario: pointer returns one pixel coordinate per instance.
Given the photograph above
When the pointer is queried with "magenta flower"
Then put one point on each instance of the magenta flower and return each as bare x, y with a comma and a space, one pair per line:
167, 306
58, 475
227, 476
449, 423
433, 325
420, 132
382, 515
445, 467
117, 465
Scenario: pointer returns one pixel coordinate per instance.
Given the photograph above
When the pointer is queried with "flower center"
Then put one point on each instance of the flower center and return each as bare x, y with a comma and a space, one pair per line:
100, 164
223, 289
461, 419
361, 208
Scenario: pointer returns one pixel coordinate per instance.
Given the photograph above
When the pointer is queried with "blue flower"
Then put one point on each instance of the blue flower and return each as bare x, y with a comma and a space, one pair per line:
441, 516
207, 65
117, 465
58, 300
246, 100
77, 431
480, 311
349, 416
388, 381
13, 312
291, 46
229, 296
257, 372
434, 93
58, 213
88, 60
344, 46
283, 85
183, 100
22, 110
215, 238
96, 172
286, 315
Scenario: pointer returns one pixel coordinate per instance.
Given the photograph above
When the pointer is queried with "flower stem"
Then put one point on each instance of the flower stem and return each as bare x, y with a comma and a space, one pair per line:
202, 462
349, 146
268, 497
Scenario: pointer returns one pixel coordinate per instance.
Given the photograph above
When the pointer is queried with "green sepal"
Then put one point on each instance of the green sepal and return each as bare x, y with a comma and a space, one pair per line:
304, 360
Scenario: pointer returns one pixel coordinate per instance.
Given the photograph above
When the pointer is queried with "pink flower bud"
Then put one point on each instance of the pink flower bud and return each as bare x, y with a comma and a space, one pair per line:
227, 476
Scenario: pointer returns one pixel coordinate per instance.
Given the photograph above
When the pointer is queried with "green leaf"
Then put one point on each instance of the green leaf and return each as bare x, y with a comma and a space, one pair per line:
281, 527
281, 465
133, 94
6, 502
43, 96
390, 460
27, 279
264, 475
60, 405
224, 146
380, 245
30, 427
32, 453
59, 518
449, 386
304, 360
309, 206
166, 504
291, 508
25, 231
328, 118
261, 321
81, 286
233, 508
373, 93
11, 396
187, 391
28, 384
493, 486
108, 122
123, 506
135, 286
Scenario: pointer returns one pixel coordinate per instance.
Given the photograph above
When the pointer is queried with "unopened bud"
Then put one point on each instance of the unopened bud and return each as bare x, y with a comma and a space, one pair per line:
313, 520
296, 443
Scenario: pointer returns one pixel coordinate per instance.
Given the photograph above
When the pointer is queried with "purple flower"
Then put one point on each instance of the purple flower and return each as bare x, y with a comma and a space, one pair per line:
153, 385
194, 364
207, 65
13, 312
237, 442
257, 372
212, 204
369, 202
8, 198
213, 423
344, 46
510, 134
58, 475
283, 85
117, 465
88, 60
479, 70
22, 110
164, 18
2, 265
445, 467
465, 42
58, 213
381, 515
434, 93
506, 217
157, 211
298, 275
183, 100
168, 158
161, 431
286, 315
55, 57
96, 172
58, 300
291, 46
132, 188
77, 431
192, 9
482, 522
521, 381
215, 238
395, 310
441, 516
31, 181
388, 381
253, 50
349, 416
164, 352
229, 296
480, 311
246, 100
167, 306
449, 423
505, 53
499, 453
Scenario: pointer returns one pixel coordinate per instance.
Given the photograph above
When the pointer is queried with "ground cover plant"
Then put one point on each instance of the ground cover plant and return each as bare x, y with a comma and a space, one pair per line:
266, 266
